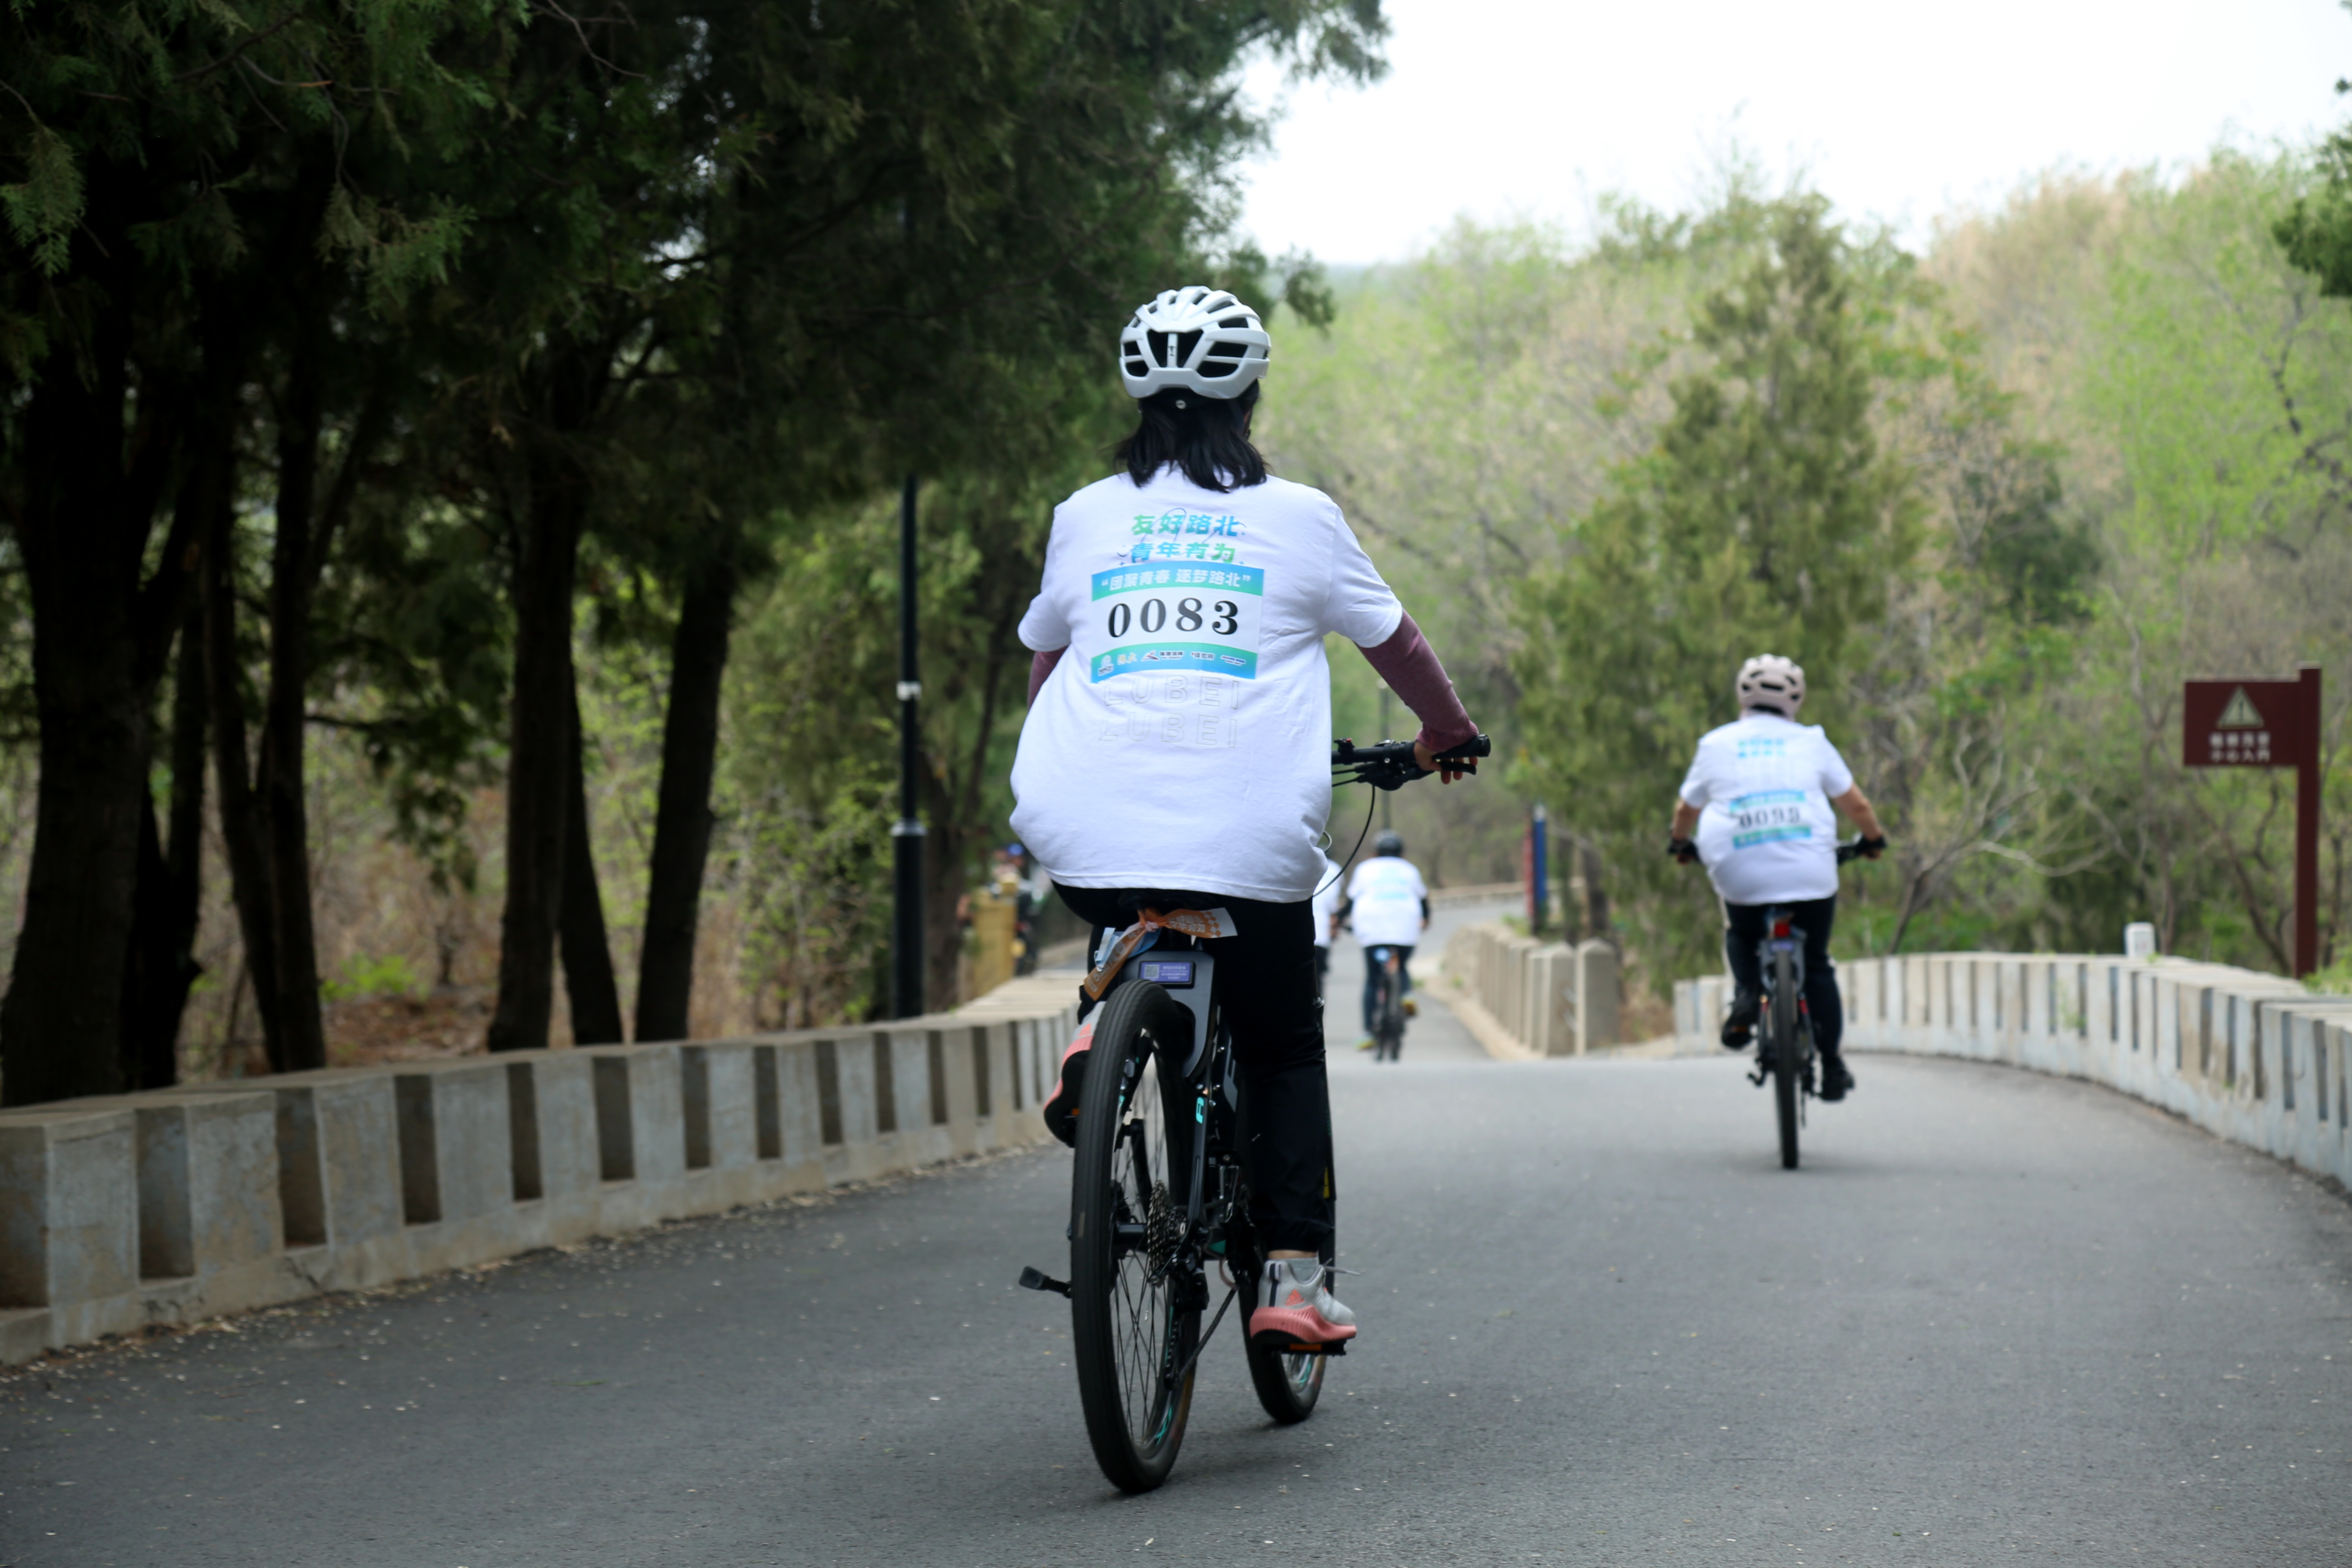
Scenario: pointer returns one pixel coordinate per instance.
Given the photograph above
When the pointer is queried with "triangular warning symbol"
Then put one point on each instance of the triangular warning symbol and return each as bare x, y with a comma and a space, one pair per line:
2240, 713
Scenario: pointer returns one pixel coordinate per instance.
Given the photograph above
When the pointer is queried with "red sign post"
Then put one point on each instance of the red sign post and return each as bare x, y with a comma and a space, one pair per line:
2267, 724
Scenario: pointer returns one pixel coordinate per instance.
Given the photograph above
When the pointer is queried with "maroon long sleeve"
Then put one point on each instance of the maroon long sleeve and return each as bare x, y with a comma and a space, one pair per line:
1409, 666
1041, 665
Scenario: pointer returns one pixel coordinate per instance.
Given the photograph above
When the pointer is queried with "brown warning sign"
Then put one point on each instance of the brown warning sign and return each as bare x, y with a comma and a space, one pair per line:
2243, 724
2267, 724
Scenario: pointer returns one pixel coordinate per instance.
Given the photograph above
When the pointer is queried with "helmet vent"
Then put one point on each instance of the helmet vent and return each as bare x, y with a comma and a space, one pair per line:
1182, 344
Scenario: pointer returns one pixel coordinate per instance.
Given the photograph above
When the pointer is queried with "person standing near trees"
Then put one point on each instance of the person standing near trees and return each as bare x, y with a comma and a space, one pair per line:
1759, 795
1148, 778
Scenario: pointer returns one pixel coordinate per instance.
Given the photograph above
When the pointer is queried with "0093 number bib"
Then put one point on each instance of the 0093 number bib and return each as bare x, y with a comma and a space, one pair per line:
1157, 619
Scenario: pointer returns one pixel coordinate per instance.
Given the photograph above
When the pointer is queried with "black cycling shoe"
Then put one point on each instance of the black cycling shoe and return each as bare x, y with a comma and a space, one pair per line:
1836, 1079
1739, 1027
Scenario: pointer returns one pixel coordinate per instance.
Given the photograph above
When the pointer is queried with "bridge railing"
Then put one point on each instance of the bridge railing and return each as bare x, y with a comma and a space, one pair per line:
2252, 1058
170, 1207
1539, 998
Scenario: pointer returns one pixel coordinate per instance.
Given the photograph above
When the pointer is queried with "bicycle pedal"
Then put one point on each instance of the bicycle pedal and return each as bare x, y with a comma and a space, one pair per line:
1034, 1279
1300, 1347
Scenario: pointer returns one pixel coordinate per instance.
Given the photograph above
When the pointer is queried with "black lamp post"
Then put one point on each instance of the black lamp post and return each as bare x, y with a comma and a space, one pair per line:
907, 833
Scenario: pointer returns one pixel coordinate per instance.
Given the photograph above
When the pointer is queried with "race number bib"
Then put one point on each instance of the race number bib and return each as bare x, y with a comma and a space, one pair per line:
1161, 619
1768, 817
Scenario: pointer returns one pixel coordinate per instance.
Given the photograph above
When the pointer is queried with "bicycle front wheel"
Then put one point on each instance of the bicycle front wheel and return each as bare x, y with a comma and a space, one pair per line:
1132, 1321
1788, 1069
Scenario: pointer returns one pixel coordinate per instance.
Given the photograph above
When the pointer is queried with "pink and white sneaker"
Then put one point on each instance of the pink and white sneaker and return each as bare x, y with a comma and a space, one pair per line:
1061, 1107
1295, 1307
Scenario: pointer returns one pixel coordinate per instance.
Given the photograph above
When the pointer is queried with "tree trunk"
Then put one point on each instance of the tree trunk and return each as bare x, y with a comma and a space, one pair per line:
945, 883
1597, 920
296, 546
540, 753
587, 952
244, 834
82, 535
682, 817
170, 888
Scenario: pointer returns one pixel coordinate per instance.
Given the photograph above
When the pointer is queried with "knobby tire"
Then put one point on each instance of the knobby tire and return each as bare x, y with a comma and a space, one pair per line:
1126, 1330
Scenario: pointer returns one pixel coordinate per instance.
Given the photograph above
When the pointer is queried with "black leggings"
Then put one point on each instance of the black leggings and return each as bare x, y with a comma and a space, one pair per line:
1265, 975
1745, 930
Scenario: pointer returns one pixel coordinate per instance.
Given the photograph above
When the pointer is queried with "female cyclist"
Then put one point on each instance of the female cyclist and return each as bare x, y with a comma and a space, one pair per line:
1178, 738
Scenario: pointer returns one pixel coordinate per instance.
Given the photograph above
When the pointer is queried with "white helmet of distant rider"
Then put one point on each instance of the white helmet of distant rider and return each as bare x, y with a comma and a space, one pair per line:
1773, 684
1195, 339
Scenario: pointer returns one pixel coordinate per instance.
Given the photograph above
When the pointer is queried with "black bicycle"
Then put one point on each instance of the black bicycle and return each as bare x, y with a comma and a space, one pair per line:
1158, 1196
1784, 1050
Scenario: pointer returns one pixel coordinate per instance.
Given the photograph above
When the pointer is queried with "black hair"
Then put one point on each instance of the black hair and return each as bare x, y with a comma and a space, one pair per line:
1205, 436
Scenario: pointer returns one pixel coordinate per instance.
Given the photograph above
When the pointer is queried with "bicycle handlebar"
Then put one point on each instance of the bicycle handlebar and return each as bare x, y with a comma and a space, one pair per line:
1390, 764
1687, 850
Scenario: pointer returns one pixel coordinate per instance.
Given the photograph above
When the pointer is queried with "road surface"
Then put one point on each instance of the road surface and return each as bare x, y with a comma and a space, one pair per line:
1998, 1318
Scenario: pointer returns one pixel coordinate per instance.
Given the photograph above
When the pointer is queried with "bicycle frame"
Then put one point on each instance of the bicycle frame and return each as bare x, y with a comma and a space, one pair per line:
1216, 1192
1783, 938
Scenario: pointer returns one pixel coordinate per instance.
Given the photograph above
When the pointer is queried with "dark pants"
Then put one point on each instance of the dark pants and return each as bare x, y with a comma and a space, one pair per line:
1265, 977
1814, 917
1371, 975
1322, 967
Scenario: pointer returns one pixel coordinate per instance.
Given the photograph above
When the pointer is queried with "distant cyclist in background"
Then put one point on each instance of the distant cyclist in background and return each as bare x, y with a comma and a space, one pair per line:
1760, 795
1388, 906
1327, 921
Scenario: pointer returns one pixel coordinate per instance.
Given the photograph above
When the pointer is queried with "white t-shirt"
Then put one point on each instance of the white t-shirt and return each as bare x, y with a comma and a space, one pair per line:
1765, 829
1184, 742
1387, 891
1327, 901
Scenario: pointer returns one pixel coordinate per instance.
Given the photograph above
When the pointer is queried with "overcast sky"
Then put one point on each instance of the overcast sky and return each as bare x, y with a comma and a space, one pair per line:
1496, 107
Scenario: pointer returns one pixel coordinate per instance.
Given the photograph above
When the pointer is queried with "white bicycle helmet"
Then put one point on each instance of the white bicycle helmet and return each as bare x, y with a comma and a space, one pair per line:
1767, 681
1196, 340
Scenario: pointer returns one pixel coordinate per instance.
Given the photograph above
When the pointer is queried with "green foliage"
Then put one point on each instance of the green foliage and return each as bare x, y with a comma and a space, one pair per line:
364, 977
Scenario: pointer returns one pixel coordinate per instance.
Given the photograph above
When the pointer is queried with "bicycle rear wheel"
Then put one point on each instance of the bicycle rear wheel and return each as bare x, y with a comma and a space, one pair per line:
1132, 1322
1389, 1018
1787, 1068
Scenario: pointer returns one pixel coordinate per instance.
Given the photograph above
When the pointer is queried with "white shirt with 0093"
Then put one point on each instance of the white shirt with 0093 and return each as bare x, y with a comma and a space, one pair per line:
1766, 831
1184, 741
1387, 892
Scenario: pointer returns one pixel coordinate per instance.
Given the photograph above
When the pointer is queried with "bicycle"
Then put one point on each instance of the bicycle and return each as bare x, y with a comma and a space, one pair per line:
1387, 1002
1783, 1017
1782, 1013
1158, 1195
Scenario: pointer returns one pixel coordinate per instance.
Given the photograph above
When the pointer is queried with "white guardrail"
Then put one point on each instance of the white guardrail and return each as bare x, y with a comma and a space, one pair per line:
173, 1207
2249, 1057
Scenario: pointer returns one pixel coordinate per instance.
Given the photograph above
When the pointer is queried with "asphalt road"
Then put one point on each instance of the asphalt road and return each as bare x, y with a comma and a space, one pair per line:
1997, 1319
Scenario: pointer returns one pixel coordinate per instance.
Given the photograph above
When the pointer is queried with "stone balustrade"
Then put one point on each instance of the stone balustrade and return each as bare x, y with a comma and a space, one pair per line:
2249, 1057
169, 1207
1523, 996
